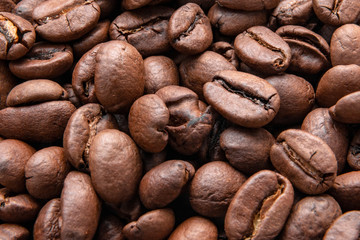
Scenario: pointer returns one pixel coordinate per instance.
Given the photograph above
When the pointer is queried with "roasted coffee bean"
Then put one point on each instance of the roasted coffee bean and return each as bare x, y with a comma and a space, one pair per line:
337, 12
263, 50
344, 49
35, 91
291, 12
233, 22
13, 231
65, 20
346, 190
164, 183
197, 70
145, 29
260, 207
148, 118
189, 125
13, 156
249, 5
309, 51
17, 208
227, 51
235, 142
114, 155
118, 83
345, 110
242, 98
345, 227
78, 197
353, 156
24, 8
213, 187
7, 82
297, 98
305, 159
45, 172
43, 122
195, 228
110, 227
310, 218
155, 225
160, 71
17, 36
44, 60
319, 123
97, 35
189, 30
82, 127
336, 83
47, 224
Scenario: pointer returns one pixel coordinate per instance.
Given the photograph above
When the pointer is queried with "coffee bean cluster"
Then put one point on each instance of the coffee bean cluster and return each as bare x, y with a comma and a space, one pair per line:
180, 120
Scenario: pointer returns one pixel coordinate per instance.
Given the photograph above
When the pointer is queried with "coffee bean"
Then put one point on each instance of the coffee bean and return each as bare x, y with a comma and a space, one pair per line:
47, 224
13, 231
344, 227
305, 159
232, 91
260, 207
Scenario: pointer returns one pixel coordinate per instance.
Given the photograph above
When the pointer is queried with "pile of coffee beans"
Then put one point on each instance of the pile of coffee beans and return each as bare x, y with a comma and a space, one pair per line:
180, 119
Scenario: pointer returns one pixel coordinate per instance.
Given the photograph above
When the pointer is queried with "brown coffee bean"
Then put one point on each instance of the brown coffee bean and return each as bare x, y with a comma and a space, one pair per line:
249, 6
336, 83
305, 159
44, 122
195, 228
297, 98
242, 98
45, 172
13, 156
310, 218
335, 12
346, 109
20, 208
353, 157
24, 8
148, 118
118, 83
35, 91
17, 36
346, 190
145, 29
97, 35
7, 82
65, 20
164, 183
197, 70
345, 227
13, 231
263, 50
189, 30
47, 224
160, 71
235, 142
319, 123
44, 60
233, 22
291, 12
227, 51
113, 155
213, 187
86, 122
78, 197
155, 225
309, 51
260, 207
110, 227
344, 49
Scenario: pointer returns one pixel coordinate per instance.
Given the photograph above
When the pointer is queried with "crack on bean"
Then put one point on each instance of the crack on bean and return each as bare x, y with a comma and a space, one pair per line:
45, 55
9, 30
315, 44
92, 133
278, 63
197, 20
265, 103
305, 164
